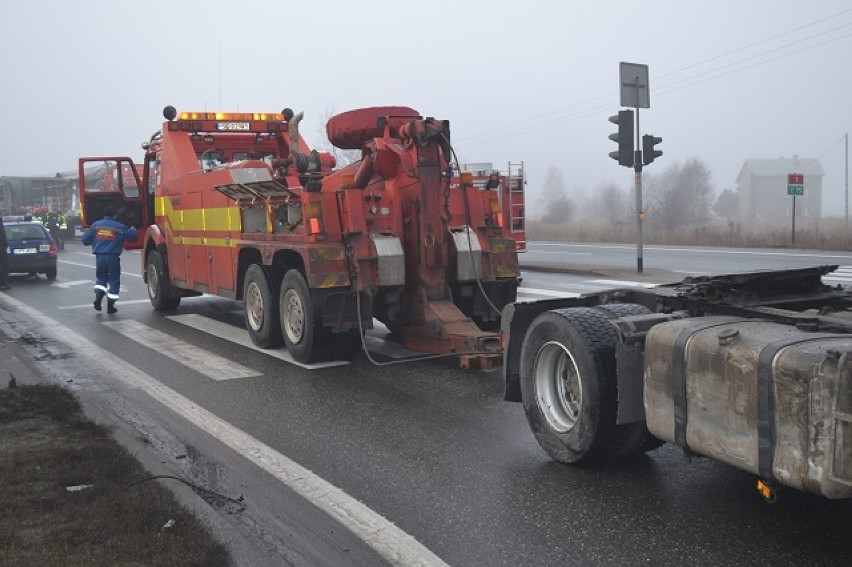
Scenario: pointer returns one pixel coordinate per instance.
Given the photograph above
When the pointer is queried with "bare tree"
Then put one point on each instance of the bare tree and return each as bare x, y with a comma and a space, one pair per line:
612, 205
558, 207
680, 196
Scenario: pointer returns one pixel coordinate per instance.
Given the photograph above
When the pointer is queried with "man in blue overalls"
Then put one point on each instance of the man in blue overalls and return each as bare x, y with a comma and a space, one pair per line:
107, 237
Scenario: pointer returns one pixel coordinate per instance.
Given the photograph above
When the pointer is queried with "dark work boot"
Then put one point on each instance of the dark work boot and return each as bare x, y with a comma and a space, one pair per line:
99, 297
111, 306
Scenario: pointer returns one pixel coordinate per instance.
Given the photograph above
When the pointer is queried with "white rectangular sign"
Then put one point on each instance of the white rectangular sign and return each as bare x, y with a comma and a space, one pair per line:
633, 83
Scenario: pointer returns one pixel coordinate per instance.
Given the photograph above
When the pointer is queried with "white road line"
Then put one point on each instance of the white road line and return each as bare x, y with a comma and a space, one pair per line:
66, 285
210, 364
693, 250
622, 283
134, 274
546, 292
389, 541
240, 337
89, 305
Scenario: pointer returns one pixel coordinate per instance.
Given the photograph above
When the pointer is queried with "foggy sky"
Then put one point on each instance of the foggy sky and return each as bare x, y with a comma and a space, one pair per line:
519, 81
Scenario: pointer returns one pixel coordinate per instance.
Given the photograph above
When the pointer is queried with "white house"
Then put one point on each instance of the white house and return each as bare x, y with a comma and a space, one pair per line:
762, 189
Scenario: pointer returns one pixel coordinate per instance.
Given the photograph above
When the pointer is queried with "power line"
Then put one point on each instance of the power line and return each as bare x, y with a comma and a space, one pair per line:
834, 145
750, 45
526, 127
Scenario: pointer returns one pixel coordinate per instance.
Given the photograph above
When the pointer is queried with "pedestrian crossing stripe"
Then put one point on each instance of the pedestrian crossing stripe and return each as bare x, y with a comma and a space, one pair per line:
239, 336
841, 274
201, 360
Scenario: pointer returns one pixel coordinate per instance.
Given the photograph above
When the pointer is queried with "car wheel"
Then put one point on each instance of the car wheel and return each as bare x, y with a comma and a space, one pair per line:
51, 274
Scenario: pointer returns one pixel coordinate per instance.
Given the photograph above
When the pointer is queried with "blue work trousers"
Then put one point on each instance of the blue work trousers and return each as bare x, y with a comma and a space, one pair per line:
108, 274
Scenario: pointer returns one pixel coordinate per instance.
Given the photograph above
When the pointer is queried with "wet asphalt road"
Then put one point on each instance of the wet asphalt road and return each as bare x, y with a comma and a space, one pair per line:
435, 450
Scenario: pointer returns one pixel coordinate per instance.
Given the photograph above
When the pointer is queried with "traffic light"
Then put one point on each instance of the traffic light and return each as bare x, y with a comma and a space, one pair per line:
624, 137
649, 154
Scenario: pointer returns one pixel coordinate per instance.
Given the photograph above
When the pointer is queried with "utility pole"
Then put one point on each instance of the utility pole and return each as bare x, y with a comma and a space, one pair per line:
846, 154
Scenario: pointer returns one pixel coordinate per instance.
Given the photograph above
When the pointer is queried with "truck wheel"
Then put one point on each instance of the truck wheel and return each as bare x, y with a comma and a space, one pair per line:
569, 385
261, 308
302, 332
160, 291
631, 438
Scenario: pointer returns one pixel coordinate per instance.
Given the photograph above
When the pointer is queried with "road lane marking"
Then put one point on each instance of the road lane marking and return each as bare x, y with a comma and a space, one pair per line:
531, 245
546, 292
841, 274
210, 364
89, 305
66, 285
134, 274
240, 336
622, 283
385, 537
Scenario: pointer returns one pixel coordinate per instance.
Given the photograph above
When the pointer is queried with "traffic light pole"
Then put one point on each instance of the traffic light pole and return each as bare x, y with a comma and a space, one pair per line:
637, 182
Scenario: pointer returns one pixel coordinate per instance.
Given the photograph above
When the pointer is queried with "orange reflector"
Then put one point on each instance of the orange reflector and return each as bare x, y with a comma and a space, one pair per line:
466, 179
347, 180
494, 205
766, 491
314, 225
498, 219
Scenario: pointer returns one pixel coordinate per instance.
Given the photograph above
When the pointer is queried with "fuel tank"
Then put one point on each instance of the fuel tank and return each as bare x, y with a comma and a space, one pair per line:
764, 397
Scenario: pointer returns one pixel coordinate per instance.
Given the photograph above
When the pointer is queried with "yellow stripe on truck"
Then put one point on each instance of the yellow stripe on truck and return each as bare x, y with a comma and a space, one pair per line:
222, 219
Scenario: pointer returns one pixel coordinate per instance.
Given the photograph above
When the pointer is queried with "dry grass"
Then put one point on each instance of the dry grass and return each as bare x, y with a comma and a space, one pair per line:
46, 446
825, 234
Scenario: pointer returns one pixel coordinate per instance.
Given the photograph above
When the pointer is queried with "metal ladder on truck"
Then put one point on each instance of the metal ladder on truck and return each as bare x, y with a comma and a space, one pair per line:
517, 224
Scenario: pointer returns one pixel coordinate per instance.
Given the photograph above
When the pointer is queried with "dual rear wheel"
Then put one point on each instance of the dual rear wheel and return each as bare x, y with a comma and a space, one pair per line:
569, 385
284, 312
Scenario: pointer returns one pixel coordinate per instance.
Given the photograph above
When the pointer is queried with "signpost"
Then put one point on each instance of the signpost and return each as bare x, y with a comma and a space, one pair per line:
635, 92
795, 188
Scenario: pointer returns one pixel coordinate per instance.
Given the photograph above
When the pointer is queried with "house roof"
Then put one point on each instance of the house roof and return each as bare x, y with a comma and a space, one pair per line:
781, 166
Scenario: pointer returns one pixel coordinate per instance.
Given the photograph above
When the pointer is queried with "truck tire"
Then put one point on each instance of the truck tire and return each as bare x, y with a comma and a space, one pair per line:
261, 307
631, 438
302, 333
569, 384
160, 291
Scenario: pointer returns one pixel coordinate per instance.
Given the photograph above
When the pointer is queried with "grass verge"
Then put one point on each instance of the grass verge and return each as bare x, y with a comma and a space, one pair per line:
68, 498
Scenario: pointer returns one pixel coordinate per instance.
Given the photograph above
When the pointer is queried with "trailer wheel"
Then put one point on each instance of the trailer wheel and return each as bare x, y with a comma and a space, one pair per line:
261, 308
302, 332
569, 385
160, 290
631, 438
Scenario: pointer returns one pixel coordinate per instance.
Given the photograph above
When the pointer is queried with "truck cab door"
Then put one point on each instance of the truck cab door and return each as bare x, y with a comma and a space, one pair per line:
113, 181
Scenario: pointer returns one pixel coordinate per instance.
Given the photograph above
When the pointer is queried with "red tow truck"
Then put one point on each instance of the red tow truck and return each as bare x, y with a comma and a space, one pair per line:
238, 205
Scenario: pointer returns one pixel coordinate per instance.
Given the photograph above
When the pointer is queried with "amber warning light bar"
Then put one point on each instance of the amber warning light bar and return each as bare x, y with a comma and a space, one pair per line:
232, 116
196, 122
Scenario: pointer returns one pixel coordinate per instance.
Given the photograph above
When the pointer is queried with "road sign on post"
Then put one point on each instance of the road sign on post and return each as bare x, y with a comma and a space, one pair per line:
634, 85
796, 185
